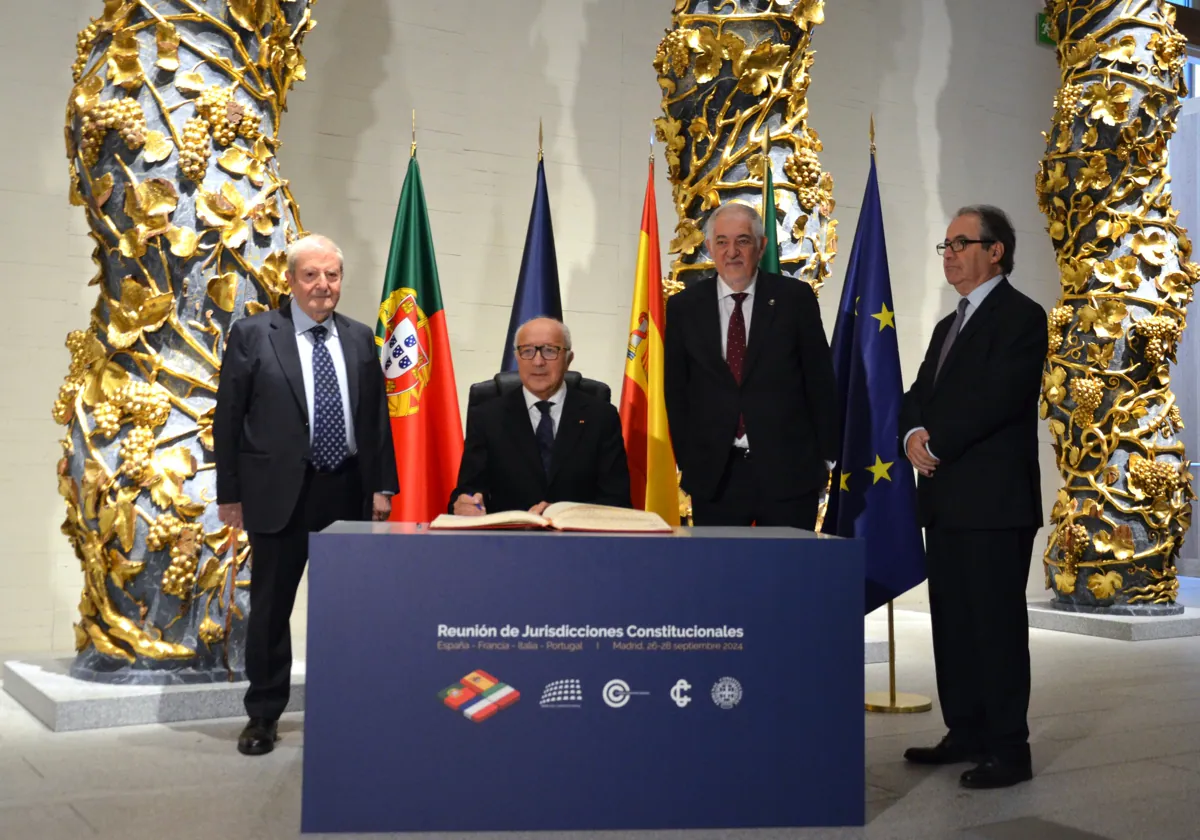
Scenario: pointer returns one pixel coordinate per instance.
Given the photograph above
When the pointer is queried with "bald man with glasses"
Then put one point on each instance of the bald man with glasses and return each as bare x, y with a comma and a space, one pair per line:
543, 443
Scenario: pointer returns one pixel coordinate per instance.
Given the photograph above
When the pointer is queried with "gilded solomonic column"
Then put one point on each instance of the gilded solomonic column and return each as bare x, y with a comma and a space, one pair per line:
1125, 505
732, 71
171, 132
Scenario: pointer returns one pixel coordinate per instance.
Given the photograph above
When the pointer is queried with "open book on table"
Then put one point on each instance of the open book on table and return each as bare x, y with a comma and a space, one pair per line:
560, 516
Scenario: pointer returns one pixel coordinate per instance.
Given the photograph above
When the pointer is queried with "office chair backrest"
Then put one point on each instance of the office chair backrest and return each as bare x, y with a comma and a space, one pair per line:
509, 380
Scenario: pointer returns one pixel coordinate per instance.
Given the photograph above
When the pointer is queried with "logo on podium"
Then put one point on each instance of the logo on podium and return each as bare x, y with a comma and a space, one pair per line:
478, 696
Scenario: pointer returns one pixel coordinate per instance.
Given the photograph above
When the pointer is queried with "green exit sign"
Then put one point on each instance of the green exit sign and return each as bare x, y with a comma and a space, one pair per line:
1043, 30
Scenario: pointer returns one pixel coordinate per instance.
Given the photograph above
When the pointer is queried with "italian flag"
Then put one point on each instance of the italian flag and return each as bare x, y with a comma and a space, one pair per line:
414, 352
643, 401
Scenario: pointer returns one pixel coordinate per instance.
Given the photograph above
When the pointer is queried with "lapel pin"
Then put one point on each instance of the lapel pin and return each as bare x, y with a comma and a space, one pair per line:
771, 302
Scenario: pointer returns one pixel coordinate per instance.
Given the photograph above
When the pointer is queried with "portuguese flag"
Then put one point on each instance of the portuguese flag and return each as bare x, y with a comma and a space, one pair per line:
643, 402
770, 255
414, 351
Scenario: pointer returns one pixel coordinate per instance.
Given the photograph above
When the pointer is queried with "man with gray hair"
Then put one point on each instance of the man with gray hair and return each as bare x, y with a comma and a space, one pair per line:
544, 442
970, 426
750, 388
302, 439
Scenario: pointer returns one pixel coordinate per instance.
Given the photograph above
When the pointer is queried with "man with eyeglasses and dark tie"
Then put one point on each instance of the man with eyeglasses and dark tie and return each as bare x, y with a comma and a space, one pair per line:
970, 426
543, 443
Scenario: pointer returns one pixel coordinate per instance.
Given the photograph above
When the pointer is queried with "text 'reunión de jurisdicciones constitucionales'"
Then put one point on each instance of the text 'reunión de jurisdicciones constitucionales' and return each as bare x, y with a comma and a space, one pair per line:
587, 631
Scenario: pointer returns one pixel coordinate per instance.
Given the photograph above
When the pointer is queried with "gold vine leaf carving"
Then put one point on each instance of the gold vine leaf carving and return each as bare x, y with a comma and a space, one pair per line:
168, 46
1119, 543
139, 310
1105, 586
809, 13
756, 70
253, 15
124, 64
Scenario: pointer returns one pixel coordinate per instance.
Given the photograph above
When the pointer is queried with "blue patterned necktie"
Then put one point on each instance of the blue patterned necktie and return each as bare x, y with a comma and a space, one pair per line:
545, 433
329, 421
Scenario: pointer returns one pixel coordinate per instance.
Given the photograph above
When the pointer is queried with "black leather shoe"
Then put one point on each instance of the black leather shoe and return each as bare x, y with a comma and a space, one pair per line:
259, 737
994, 773
948, 751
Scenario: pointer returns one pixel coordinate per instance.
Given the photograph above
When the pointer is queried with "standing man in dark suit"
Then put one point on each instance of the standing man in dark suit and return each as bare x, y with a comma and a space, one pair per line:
544, 443
302, 439
750, 386
970, 425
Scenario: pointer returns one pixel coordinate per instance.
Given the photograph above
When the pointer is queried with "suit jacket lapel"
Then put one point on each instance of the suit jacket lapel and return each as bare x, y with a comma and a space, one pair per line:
978, 320
520, 432
570, 430
760, 319
350, 354
283, 339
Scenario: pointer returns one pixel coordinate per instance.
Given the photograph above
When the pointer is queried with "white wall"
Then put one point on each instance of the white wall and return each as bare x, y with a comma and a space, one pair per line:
959, 90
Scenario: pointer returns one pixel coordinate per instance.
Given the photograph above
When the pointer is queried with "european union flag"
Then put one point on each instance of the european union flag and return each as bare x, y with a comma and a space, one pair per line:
873, 496
537, 284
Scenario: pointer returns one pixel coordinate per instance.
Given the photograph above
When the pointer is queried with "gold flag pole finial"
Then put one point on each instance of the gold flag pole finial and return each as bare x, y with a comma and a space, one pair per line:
872, 135
539, 140
652, 148
413, 151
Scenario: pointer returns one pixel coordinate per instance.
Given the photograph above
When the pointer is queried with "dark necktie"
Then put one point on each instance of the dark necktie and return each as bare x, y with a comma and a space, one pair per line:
955, 329
329, 420
545, 433
735, 347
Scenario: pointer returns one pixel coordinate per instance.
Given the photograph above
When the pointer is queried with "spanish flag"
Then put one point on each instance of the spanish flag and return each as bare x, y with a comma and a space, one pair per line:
643, 403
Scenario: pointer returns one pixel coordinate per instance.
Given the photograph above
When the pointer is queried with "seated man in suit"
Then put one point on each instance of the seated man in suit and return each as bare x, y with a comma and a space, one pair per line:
543, 443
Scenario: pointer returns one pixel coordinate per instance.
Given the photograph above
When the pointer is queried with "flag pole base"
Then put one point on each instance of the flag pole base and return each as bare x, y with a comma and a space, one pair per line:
902, 703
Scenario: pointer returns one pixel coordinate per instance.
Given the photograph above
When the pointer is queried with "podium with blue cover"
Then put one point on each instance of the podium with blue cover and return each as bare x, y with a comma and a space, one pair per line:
515, 681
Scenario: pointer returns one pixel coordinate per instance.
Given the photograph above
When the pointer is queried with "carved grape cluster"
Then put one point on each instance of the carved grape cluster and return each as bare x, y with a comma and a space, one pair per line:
107, 418
124, 114
1066, 102
180, 577
163, 532
195, 149
1154, 479
673, 54
803, 168
83, 49
1159, 334
1087, 394
137, 450
1059, 317
146, 404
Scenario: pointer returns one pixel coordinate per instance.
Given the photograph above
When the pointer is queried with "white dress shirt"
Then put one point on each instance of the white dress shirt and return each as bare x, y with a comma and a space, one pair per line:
725, 307
305, 343
974, 301
556, 405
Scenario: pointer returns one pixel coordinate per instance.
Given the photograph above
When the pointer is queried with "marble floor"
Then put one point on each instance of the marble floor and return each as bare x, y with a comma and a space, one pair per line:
1115, 734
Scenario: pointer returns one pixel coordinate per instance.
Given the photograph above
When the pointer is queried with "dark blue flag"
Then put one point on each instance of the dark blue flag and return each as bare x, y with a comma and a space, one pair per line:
537, 284
873, 495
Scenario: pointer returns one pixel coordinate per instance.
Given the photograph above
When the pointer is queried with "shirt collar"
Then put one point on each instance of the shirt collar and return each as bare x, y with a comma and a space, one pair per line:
723, 290
981, 291
303, 323
556, 398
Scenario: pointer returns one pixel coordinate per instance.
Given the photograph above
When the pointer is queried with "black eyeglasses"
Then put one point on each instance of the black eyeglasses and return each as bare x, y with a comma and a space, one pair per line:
549, 351
957, 245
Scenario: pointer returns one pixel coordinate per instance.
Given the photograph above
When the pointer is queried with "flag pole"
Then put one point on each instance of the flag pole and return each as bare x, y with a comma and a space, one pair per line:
897, 702
413, 151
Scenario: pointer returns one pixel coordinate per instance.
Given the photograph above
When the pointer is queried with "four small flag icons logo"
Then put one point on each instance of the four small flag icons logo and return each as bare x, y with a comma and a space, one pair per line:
478, 696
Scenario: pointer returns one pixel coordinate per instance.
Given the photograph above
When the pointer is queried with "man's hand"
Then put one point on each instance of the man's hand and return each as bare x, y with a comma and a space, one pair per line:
231, 515
381, 508
919, 456
537, 509
466, 505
